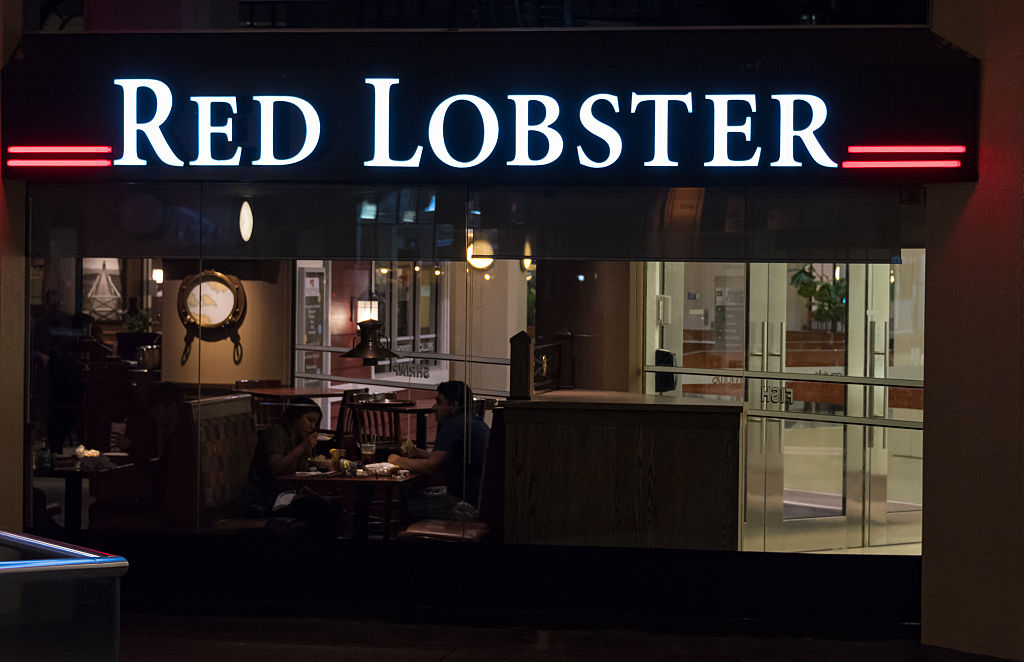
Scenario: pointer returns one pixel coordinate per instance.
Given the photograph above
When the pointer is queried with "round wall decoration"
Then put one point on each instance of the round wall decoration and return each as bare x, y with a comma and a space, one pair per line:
211, 300
211, 305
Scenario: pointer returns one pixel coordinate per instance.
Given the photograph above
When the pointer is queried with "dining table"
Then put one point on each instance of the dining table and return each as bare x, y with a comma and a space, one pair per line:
362, 488
286, 392
73, 476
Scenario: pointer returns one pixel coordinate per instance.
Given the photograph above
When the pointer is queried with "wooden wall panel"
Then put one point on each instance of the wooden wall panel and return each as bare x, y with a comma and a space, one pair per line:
622, 477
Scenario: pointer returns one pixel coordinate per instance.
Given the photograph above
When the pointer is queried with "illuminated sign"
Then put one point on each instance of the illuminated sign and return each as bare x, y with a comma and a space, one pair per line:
152, 129
553, 142
628, 109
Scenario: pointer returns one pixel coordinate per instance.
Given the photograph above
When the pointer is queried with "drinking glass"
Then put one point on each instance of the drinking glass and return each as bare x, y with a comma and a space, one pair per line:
368, 450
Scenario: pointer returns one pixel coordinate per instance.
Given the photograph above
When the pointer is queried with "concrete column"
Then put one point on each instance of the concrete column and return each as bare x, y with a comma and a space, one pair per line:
13, 469
973, 549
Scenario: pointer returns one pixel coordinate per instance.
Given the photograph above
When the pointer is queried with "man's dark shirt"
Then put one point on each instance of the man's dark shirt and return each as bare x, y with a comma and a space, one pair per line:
451, 435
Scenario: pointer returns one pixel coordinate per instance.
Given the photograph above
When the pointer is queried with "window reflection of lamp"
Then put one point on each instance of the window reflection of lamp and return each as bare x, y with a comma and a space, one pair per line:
367, 211
527, 262
478, 247
158, 276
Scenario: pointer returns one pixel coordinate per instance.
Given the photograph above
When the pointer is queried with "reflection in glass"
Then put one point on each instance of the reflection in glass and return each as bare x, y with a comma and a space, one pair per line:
905, 457
813, 469
816, 310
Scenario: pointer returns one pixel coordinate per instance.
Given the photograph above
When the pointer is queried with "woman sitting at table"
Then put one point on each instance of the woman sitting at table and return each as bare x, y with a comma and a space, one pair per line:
458, 457
284, 448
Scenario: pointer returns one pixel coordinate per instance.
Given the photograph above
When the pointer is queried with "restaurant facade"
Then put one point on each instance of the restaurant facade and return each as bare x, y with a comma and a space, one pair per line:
717, 244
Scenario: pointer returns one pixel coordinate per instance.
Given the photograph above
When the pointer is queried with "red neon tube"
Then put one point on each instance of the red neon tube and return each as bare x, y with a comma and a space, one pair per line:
60, 149
900, 149
59, 163
900, 164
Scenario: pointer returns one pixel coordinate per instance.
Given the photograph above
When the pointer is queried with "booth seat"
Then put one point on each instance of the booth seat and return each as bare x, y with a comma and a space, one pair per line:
207, 465
225, 428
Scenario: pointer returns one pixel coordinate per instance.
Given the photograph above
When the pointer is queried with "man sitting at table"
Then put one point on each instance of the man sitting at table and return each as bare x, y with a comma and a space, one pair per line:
457, 458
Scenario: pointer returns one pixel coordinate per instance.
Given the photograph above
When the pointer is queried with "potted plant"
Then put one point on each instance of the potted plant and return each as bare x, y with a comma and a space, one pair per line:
826, 296
136, 331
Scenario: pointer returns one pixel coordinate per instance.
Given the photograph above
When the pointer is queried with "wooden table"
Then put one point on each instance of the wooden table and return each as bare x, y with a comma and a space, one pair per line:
72, 477
362, 487
285, 392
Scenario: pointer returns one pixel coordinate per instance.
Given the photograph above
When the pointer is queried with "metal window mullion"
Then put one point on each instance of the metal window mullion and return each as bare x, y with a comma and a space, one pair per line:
789, 376
489, 360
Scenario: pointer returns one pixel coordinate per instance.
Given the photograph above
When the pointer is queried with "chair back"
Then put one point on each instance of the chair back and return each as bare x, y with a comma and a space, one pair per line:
380, 423
345, 432
266, 410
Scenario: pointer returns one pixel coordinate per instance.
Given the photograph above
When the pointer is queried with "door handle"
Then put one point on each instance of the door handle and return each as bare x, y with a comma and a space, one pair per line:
782, 340
764, 342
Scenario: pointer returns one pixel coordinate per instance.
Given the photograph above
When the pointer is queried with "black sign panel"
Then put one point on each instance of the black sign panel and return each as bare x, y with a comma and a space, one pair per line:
586, 108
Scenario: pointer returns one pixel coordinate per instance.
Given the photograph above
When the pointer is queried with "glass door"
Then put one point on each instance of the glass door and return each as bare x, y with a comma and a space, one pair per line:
828, 359
811, 470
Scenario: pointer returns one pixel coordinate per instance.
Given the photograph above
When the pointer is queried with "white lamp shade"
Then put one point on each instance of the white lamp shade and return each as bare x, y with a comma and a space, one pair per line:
245, 221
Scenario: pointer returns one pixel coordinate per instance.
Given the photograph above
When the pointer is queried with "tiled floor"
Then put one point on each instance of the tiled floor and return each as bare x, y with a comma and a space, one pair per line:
197, 639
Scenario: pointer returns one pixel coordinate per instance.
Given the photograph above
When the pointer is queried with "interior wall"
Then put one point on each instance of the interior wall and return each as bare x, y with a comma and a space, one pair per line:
973, 544
596, 310
349, 280
484, 314
266, 335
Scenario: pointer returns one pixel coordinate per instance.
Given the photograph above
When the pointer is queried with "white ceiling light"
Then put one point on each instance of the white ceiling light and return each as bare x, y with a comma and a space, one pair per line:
245, 221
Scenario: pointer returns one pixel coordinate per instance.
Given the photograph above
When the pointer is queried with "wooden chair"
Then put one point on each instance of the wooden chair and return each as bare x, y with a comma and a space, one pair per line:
490, 524
379, 423
345, 435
